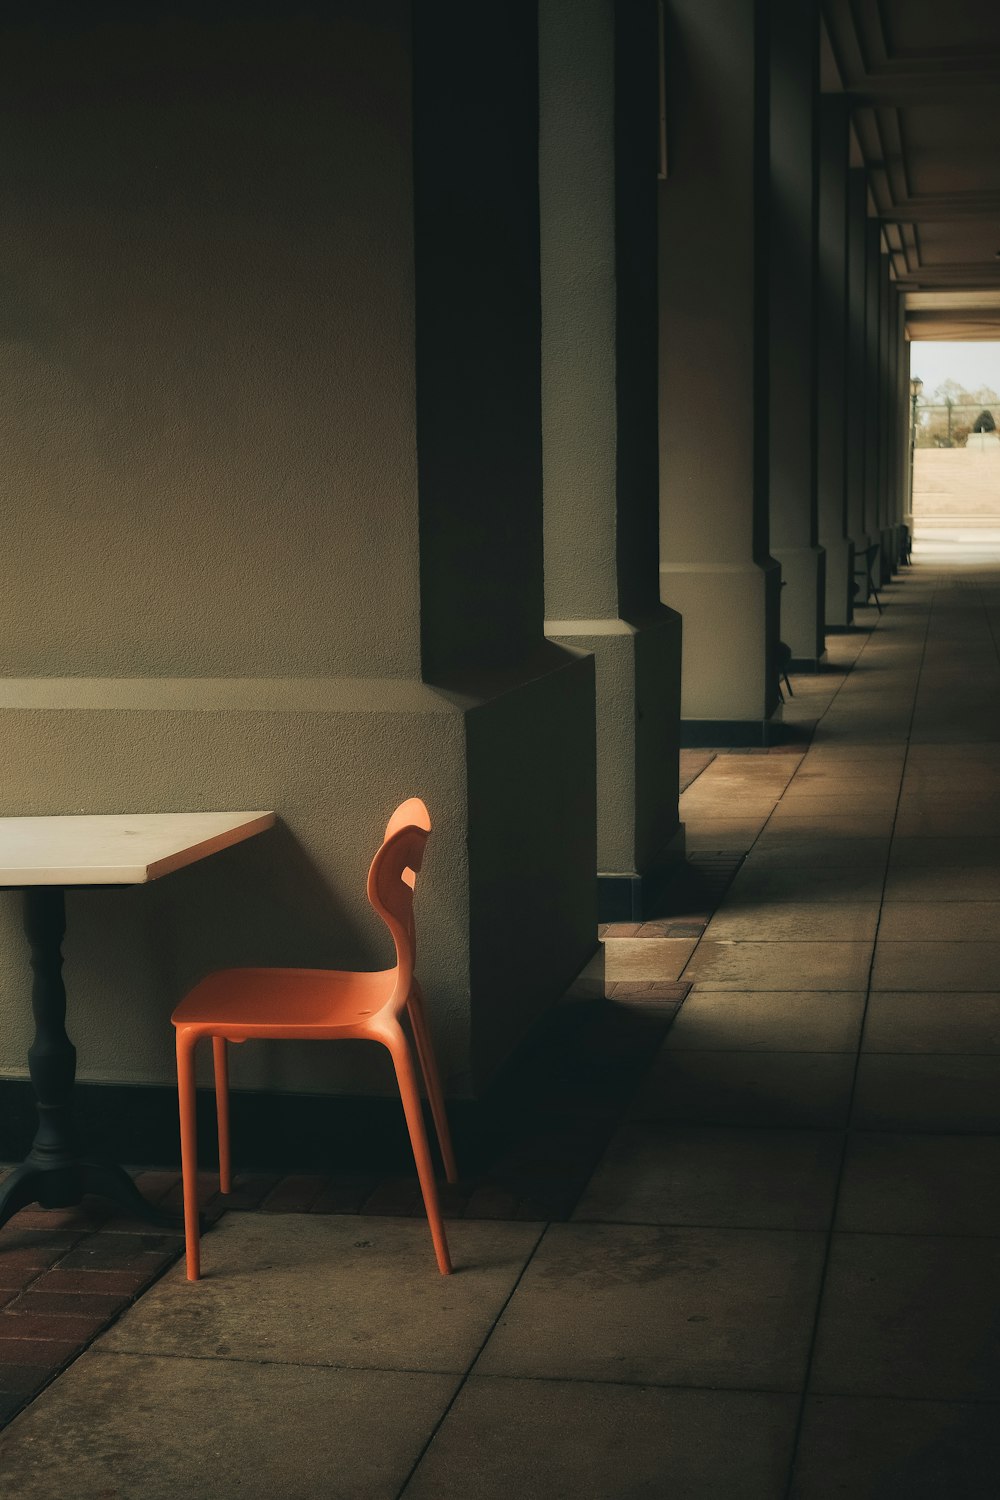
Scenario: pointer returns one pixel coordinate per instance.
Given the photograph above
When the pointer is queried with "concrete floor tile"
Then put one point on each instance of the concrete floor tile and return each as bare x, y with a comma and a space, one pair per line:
832, 800
792, 850
757, 884
805, 822
640, 1304
917, 853
780, 966
909, 1315
590, 1442
722, 833
927, 1092
933, 1021
940, 921
920, 1184
946, 881
122, 1425
768, 1021
722, 802
820, 755
936, 966
947, 820
807, 1090
360, 1291
871, 1448
710, 1175
640, 958
845, 921
846, 784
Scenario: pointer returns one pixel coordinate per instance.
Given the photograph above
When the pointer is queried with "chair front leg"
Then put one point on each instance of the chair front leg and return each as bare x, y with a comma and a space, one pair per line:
410, 1095
186, 1042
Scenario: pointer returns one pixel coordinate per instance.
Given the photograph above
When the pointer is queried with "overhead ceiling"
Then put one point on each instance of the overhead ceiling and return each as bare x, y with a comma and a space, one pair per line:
923, 77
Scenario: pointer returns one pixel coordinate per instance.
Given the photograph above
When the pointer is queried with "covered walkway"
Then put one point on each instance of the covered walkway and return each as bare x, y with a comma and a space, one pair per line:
781, 1279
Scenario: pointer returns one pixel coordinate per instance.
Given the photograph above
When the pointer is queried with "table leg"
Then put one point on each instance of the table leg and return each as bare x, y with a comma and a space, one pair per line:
53, 1174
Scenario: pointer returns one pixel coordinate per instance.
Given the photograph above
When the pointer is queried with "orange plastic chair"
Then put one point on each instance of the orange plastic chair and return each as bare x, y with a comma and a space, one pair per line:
237, 1004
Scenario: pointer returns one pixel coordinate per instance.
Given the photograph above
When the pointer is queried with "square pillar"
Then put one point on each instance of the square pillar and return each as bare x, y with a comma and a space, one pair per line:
831, 360
599, 99
716, 569
857, 355
794, 44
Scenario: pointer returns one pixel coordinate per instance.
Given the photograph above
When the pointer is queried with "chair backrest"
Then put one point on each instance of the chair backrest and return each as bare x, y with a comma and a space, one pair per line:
392, 878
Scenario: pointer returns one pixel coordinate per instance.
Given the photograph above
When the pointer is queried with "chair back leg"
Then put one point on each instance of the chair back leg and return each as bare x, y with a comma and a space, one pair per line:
432, 1081
221, 1060
410, 1095
189, 1150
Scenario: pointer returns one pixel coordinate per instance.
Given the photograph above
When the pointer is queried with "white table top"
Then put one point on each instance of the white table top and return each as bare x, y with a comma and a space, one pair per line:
116, 849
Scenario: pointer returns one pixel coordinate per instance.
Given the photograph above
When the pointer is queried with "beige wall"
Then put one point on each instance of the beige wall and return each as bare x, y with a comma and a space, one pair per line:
208, 386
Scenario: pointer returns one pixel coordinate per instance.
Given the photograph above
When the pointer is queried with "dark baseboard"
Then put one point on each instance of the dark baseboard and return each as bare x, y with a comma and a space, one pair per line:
708, 734
849, 629
806, 664
631, 898
327, 1134
592, 1048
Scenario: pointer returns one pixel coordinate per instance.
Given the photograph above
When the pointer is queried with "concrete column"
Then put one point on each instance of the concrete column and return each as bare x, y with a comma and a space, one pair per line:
888, 530
831, 360
599, 94
272, 475
905, 418
894, 491
794, 43
857, 217
715, 565
873, 383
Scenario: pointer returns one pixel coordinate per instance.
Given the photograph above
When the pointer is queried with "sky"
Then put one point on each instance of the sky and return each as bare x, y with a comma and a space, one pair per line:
972, 365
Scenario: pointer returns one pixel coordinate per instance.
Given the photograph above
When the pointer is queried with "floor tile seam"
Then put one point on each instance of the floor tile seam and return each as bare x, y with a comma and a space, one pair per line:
790, 1391
463, 1380
281, 1364
819, 1395
853, 1087
801, 1051
839, 1231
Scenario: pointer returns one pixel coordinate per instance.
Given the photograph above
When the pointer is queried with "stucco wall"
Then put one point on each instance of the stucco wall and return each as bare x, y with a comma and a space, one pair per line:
207, 415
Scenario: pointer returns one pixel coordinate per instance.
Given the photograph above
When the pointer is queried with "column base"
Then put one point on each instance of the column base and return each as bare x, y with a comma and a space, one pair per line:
839, 607
626, 896
638, 682
730, 613
740, 734
803, 574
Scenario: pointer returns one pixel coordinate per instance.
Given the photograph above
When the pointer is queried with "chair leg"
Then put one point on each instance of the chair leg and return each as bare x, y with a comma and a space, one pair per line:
410, 1095
189, 1149
221, 1061
432, 1080
788, 685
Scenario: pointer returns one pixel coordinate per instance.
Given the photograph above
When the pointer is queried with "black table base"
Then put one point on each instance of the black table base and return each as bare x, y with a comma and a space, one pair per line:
53, 1174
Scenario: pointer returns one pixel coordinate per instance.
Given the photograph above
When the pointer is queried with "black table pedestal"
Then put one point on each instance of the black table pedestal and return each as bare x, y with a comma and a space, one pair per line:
53, 1174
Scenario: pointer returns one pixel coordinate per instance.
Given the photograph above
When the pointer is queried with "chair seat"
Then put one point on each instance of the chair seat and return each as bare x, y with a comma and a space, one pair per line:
282, 1002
